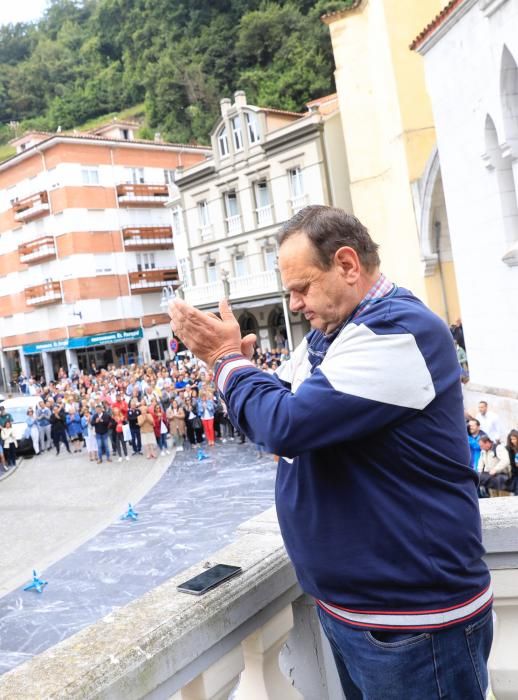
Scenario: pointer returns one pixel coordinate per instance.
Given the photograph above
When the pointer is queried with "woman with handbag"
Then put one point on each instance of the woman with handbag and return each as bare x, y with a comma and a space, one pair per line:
118, 433
161, 430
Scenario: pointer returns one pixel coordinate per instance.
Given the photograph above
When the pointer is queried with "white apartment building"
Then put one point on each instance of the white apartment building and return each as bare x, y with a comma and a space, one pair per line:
267, 165
86, 248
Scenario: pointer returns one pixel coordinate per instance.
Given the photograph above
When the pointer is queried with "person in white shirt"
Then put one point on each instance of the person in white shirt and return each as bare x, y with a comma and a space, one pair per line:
489, 421
493, 467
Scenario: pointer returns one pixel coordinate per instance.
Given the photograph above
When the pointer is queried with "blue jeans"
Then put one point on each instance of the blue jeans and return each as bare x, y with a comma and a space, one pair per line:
103, 446
383, 665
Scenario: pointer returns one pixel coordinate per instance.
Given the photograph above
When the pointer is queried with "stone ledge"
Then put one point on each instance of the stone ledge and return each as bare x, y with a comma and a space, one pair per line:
137, 648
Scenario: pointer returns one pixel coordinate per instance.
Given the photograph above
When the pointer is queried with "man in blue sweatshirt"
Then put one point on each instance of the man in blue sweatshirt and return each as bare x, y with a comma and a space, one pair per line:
376, 500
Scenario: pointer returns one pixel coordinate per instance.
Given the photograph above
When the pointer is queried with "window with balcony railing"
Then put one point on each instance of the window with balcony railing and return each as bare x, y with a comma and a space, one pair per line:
239, 261
270, 258
233, 218
204, 220
211, 271
264, 208
298, 195
145, 261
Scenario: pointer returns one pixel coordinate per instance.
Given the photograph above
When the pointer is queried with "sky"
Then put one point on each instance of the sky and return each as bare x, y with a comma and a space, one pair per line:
21, 10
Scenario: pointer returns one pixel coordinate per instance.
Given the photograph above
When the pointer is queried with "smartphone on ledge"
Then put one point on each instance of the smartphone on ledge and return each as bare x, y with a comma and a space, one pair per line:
208, 579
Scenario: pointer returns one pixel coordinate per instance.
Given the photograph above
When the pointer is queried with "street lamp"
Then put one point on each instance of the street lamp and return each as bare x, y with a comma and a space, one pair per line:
285, 309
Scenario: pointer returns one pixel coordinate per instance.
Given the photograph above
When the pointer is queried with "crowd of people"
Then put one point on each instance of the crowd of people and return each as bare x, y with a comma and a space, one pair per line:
148, 409
143, 409
495, 461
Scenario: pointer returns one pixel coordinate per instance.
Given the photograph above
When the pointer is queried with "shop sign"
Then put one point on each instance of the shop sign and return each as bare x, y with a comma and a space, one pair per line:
46, 346
84, 342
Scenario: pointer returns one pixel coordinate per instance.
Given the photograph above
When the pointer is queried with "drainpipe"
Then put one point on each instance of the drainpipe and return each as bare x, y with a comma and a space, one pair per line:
437, 231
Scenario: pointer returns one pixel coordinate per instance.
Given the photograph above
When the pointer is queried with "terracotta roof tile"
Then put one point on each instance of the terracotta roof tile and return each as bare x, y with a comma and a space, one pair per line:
436, 22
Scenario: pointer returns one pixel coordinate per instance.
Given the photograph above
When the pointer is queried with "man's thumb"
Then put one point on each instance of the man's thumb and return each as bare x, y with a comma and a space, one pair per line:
225, 310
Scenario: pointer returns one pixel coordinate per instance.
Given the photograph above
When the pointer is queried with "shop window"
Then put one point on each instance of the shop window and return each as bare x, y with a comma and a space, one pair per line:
158, 348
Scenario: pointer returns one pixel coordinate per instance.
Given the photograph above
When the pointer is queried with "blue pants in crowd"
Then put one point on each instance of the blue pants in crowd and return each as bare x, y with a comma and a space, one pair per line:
103, 446
392, 665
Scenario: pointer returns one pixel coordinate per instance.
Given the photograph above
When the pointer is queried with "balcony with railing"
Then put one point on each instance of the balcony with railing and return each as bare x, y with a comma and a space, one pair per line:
32, 207
298, 202
148, 238
144, 281
37, 251
242, 287
43, 294
206, 232
234, 225
255, 636
139, 195
264, 215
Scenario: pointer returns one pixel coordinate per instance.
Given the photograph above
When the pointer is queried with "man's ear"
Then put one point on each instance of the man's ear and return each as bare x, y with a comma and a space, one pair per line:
346, 258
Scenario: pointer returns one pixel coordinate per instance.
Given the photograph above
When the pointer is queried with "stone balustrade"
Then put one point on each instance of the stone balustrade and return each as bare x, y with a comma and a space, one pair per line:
172, 646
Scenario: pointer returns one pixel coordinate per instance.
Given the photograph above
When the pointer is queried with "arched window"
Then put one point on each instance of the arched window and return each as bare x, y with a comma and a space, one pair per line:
501, 167
248, 323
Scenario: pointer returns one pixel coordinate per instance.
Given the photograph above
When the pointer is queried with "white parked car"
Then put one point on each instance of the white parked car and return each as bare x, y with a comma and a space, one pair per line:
18, 407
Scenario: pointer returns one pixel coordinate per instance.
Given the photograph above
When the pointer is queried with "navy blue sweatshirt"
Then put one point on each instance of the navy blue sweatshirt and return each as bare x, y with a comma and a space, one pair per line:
375, 497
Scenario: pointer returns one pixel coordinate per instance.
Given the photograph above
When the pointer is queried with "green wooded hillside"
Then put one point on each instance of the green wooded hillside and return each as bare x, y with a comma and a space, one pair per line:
87, 58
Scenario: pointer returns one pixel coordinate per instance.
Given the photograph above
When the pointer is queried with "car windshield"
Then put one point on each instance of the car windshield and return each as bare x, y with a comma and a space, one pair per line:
18, 413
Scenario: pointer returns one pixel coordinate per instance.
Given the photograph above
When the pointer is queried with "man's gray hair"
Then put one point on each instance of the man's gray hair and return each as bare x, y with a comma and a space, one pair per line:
329, 229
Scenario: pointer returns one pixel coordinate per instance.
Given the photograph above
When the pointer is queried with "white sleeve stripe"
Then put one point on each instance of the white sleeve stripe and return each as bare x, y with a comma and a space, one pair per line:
228, 368
388, 368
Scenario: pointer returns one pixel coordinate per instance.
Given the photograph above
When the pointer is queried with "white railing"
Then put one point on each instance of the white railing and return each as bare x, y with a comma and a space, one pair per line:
206, 232
298, 203
264, 215
171, 645
234, 224
209, 293
240, 288
251, 285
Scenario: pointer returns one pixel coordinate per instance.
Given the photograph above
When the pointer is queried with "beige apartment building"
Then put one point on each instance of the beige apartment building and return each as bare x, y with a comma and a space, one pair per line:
267, 164
86, 248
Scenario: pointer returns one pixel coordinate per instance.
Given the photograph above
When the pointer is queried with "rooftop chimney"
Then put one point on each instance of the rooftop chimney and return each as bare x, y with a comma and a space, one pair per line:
225, 105
240, 98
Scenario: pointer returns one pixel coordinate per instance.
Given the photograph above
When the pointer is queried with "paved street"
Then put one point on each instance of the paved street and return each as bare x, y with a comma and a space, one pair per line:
51, 509
51, 505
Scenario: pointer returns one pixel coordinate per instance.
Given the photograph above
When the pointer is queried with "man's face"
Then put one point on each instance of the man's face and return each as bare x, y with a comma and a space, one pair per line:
485, 445
473, 427
482, 407
323, 296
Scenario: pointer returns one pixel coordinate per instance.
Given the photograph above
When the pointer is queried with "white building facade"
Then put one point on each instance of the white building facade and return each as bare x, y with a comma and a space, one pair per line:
267, 165
471, 61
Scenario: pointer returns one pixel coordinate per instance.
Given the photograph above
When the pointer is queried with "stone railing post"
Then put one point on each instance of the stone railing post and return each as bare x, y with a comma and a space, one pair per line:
262, 678
217, 681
